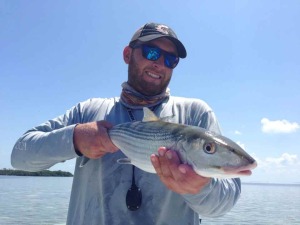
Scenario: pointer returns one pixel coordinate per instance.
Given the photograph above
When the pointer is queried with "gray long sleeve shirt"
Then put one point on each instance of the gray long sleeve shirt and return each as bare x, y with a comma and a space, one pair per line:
100, 187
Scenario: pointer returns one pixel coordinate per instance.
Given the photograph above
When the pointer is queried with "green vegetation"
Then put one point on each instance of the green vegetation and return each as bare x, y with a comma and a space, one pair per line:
44, 173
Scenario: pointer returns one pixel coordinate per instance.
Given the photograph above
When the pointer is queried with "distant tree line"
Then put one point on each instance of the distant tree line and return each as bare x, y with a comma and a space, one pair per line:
43, 173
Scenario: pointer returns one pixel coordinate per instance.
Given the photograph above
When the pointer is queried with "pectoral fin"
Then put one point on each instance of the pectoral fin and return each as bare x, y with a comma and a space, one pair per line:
83, 161
124, 161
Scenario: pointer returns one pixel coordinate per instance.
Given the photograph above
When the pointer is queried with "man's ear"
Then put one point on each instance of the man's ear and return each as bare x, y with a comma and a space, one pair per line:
127, 54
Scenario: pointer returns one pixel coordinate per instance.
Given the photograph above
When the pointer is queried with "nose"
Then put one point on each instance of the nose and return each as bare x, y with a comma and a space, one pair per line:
160, 62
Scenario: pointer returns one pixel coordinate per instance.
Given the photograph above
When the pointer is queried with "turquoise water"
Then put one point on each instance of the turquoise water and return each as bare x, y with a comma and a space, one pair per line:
44, 201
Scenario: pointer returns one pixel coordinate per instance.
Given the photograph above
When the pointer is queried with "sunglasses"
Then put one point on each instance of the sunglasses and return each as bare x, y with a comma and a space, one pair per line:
153, 53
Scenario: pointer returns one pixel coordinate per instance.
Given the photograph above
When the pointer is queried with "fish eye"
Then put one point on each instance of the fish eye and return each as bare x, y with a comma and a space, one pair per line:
209, 148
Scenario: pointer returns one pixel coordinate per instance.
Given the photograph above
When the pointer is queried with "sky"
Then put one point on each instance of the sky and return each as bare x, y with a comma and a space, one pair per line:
242, 59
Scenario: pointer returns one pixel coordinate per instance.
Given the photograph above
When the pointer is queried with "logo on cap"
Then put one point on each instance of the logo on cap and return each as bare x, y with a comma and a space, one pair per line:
163, 29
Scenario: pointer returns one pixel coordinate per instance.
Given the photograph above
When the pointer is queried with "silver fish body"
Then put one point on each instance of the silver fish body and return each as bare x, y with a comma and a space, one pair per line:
209, 154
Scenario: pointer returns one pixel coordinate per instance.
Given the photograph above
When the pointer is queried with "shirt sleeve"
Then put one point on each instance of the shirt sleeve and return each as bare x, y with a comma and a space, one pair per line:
216, 198
47, 144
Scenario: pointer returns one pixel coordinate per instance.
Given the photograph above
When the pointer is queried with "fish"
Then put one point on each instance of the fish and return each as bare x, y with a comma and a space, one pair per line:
208, 153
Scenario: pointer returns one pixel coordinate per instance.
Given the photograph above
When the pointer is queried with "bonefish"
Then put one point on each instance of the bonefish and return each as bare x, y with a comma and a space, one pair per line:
209, 154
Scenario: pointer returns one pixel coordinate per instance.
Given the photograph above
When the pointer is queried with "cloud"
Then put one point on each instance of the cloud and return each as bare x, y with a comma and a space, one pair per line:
278, 126
282, 169
286, 163
283, 161
238, 132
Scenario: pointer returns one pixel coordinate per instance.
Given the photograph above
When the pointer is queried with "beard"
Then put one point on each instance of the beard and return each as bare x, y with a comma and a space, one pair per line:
136, 80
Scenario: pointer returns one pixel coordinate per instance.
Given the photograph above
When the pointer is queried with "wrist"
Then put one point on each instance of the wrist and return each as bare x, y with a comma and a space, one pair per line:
77, 151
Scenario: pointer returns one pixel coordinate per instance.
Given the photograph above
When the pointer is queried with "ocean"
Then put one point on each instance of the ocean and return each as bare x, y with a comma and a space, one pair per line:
44, 201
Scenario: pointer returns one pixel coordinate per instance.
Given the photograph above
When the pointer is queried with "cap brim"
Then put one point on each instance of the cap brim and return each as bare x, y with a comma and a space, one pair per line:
180, 47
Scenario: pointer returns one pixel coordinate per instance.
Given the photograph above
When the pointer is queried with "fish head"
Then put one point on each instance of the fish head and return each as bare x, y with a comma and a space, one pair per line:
213, 155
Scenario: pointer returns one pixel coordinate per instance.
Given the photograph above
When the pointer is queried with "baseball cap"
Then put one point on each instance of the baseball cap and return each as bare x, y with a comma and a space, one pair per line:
152, 31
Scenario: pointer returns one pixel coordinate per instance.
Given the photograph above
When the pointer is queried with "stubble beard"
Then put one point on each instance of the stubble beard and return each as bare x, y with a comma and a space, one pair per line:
135, 81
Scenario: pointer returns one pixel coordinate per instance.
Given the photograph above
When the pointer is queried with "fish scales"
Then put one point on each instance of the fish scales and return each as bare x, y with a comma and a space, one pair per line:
140, 140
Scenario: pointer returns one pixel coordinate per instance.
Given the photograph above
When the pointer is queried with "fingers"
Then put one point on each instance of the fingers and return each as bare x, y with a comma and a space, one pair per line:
164, 162
180, 178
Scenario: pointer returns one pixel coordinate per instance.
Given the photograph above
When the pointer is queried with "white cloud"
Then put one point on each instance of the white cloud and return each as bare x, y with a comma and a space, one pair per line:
278, 126
286, 163
282, 169
238, 132
283, 161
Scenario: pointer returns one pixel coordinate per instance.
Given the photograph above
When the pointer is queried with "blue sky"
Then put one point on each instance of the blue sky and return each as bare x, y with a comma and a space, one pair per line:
243, 60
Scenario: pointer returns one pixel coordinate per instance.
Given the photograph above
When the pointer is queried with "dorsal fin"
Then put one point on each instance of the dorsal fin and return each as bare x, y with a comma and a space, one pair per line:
149, 115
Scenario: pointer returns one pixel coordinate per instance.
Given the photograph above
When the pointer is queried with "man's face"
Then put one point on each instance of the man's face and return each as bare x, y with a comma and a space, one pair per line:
149, 77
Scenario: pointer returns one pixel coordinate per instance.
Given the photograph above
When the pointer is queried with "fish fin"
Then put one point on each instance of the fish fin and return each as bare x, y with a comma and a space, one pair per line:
124, 161
149, 115
83, 161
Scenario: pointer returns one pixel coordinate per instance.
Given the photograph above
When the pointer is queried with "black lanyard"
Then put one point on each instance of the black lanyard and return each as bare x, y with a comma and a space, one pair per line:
134, 193
130, 114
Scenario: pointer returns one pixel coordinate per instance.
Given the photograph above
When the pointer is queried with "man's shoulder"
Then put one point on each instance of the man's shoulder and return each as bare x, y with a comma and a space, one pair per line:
99, 101
193, 102
96, 104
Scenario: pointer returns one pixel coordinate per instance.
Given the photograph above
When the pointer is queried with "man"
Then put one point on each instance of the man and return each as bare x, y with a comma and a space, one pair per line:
105, 192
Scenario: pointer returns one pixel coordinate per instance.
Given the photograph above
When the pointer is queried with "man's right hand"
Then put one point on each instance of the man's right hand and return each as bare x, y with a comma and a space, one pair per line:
92, 140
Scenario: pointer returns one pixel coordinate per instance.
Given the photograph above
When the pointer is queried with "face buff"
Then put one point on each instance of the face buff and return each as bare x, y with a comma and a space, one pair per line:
135, 100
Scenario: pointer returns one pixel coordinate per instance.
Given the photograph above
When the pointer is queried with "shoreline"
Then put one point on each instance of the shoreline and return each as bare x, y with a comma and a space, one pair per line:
43, 173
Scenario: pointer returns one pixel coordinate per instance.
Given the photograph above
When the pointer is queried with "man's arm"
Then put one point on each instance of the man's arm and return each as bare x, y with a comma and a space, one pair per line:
43, 146
56, 140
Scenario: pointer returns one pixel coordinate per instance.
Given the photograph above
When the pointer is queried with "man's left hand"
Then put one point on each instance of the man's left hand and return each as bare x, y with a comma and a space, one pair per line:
178, 177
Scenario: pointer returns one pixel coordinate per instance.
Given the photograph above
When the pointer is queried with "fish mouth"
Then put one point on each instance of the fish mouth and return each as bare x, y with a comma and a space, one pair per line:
240, 171
227, 172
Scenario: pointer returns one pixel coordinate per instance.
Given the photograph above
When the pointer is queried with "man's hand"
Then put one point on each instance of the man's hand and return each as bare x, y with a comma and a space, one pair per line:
180, 178
92, 139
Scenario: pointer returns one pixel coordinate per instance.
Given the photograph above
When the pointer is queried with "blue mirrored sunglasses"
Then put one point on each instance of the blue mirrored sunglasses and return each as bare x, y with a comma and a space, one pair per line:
153, 53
